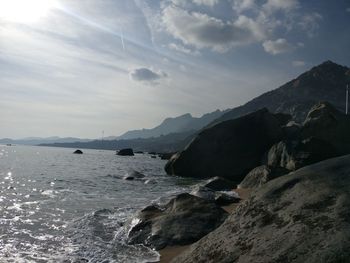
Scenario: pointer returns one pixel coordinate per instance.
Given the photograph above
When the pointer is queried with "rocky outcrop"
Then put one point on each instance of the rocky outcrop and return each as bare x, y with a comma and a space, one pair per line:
219, 184
126, 152
261, 175
184, 220
326, 123
301, 217
78, 152
221, 198
229, 149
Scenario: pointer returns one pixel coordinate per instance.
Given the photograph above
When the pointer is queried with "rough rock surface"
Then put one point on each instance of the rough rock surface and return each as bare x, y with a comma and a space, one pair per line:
219, 184
126, 152
301, 217
261, 175
229, 149
184, 220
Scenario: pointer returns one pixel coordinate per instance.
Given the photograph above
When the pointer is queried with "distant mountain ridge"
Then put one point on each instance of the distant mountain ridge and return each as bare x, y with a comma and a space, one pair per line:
180, 124
325, 82
39, 140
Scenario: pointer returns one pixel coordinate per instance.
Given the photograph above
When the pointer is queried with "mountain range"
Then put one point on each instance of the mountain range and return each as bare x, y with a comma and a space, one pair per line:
325, 82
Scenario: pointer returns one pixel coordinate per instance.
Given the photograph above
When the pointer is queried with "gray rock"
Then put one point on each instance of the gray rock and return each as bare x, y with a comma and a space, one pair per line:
203, 192
293, 155
261, 175
301, 217
219, 184
184, 220
226, 198
229, 149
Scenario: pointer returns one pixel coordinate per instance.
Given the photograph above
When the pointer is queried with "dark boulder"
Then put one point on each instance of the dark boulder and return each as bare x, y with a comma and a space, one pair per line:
302, 217
229, 149
184, 220
78, 152
261, 175
219, 184
226, 198
326, 123
126, 152
293, 155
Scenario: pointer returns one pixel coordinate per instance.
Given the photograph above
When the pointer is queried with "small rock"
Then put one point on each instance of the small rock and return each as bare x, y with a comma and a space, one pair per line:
219, 184
78, 152
126, 152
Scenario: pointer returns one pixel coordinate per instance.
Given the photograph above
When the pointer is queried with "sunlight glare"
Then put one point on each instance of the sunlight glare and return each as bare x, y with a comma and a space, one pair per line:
24, 11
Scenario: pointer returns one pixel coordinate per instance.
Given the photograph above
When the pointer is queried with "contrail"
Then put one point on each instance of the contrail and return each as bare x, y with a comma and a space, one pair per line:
122, 38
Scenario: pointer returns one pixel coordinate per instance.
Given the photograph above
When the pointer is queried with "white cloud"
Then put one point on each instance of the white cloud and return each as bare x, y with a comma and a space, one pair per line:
183, 49
206, 2
298, 63
310, 23
203, 31
243, 5
278, 46
283, 5
147, 75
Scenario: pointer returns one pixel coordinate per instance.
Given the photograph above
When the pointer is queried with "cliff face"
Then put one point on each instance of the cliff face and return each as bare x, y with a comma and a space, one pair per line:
325, 82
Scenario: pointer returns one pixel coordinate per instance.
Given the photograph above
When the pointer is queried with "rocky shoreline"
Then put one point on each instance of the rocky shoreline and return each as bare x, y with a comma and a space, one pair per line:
299, 202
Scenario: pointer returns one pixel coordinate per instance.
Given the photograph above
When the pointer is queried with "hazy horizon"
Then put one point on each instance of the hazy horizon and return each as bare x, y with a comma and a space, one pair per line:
75, 68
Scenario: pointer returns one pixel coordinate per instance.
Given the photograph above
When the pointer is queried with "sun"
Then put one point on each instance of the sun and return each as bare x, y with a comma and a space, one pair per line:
24, 11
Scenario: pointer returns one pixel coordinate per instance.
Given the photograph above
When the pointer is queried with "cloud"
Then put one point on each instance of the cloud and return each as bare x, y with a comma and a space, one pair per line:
203, 31
310, 23
206, 2
242, 5
278, 46
147, 75
183, 49
298, 63
280, 5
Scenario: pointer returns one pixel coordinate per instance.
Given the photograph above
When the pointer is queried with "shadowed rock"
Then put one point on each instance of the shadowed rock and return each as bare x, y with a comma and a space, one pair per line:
126, 152
78, 152
229, 149
184, 220
301, 217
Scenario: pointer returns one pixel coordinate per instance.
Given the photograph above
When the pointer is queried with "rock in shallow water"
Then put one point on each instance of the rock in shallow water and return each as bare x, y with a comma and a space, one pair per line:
183, 220
126, 152
300, 217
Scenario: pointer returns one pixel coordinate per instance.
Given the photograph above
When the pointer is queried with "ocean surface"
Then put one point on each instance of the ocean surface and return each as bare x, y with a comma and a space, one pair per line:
56, 206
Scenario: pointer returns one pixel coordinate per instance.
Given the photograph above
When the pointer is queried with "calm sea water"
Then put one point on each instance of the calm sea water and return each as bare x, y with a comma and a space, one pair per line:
56, 206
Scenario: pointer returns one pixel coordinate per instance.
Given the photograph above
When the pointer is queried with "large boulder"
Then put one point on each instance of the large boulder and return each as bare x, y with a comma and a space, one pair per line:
229, 149
293, 155
326, 123
126, 152
219, 184
184, 220
301, 217
261, 175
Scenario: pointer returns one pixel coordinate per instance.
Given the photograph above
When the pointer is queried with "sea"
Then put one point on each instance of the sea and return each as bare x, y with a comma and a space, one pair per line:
56, 206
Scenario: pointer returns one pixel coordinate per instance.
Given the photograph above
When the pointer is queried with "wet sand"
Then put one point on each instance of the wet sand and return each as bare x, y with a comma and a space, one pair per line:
169, 253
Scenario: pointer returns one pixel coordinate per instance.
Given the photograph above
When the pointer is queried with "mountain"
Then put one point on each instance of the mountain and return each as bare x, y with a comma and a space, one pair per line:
181, 124
325, 82
38, 140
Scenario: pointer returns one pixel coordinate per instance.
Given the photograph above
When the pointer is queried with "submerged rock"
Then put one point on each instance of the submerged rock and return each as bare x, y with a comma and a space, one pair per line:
229, 149
133, 175
78, 152
126, 152
301, 217
183, 220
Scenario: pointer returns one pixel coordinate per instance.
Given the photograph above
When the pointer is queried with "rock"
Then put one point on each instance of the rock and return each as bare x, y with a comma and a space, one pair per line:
78, 152
293, 155
291, 130
261, 175
183, 220
220, 184
302, 217
126, 152
226, 198
139, 152
154, 156
229, 149
204, 193
326, 123
165, 156
133, 175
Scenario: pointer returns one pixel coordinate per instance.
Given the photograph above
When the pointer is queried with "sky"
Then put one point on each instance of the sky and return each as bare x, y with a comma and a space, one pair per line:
80, 67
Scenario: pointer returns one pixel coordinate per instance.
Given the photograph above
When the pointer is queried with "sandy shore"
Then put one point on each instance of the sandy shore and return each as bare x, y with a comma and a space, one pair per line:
169, 253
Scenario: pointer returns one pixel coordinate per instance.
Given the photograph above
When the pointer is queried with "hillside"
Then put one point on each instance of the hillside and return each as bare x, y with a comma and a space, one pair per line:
325, 82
